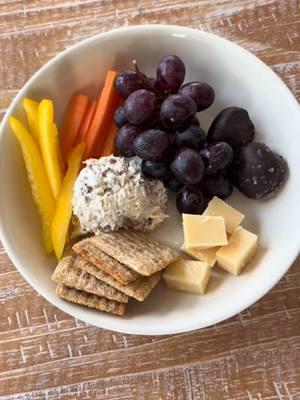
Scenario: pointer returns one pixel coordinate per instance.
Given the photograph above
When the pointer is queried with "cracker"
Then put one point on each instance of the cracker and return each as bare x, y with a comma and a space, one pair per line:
92, 253
90, 300
70, 275
139, 289
132, 250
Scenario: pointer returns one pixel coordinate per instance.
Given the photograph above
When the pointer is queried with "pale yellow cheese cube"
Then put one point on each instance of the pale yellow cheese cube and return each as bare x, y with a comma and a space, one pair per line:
203, 231
207, 255
239, 251
187, 276
232, 217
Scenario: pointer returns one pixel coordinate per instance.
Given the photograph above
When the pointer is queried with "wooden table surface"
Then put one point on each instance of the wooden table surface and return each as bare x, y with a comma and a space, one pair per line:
46, 354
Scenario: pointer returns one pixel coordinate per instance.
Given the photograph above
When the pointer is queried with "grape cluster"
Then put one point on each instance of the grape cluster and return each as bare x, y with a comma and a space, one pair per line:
158, 123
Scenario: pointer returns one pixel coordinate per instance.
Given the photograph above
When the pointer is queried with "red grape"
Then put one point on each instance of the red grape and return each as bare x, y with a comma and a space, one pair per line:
193, 137
119, 117
195, 121
125, 138
172, 183
151, 84
217, 157
216, 186
190, 200
155, 169
201, 92
176, 110
188, 166
170, 74
151, 145
127, 82
140, 106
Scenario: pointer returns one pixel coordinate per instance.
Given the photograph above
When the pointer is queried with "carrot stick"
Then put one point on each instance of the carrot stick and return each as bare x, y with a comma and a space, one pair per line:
75, 113
106, 105
109, 145
86, 122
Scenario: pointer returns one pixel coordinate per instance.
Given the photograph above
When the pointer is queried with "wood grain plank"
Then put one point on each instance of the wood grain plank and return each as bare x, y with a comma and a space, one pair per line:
180, 350
284, 297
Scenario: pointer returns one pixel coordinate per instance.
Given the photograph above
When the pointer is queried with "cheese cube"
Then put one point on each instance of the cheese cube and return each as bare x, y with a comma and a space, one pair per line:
241, 248
207, 255
232, 217
203, 231
187, 276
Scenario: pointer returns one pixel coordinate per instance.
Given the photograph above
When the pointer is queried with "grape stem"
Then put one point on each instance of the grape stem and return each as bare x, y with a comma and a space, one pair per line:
142, 76
145, 81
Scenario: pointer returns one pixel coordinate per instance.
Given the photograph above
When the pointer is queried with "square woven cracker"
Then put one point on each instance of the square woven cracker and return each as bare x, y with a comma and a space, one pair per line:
90, 300
92, 253
70, 275
138, 289
133, 250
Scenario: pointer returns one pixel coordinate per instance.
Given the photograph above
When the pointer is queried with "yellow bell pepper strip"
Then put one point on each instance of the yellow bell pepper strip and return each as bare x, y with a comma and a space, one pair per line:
63, 214
60, 157
41, 191
49, 146
61, 161
31, 108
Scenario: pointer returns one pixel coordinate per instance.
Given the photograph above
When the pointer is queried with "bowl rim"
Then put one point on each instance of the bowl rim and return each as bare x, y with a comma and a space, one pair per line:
113, 324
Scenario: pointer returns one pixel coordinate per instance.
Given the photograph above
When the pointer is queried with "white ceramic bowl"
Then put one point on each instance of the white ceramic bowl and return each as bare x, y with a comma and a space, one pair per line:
239, 78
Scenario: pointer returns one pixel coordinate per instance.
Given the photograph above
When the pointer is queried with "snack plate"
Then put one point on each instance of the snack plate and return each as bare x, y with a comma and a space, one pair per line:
240, 79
